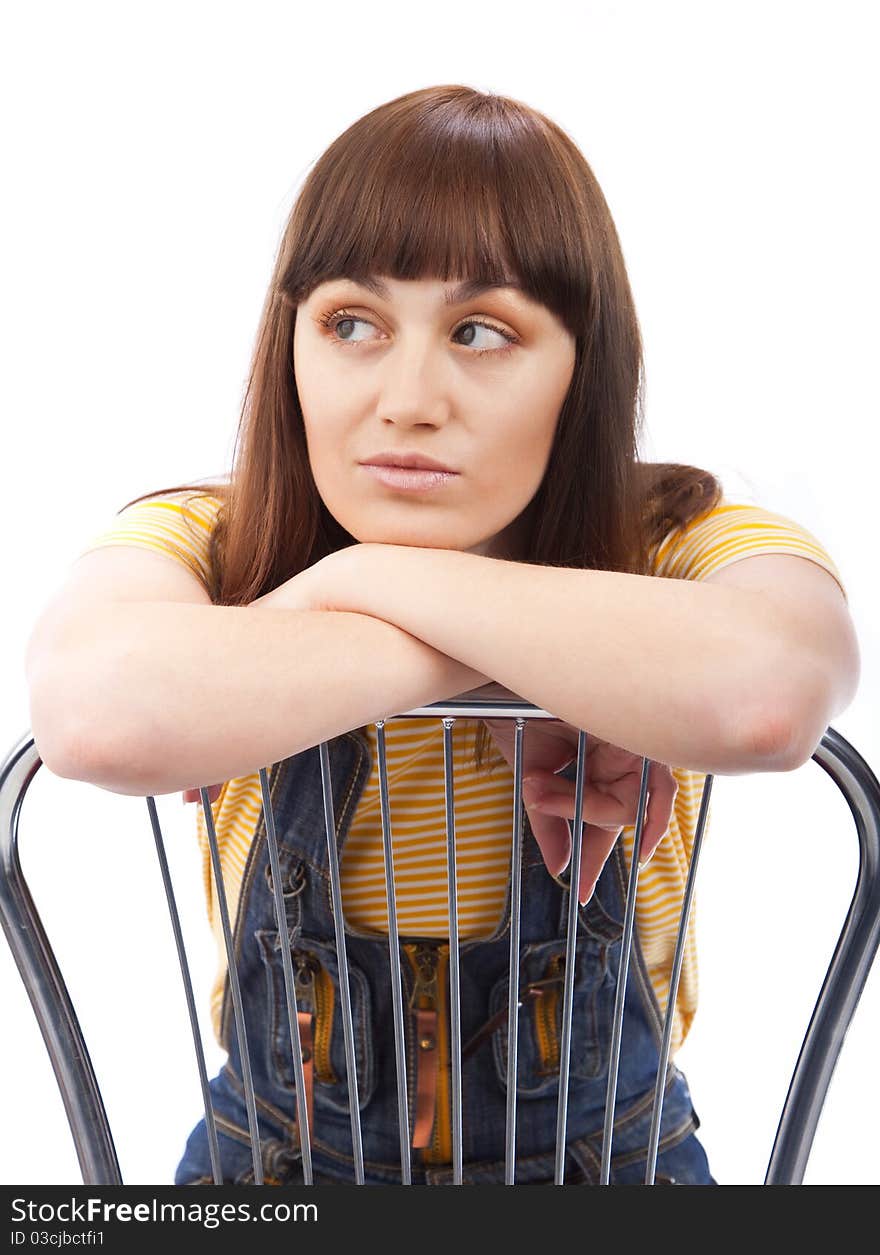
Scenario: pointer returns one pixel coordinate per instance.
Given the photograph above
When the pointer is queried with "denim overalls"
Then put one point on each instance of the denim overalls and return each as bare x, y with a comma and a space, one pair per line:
297, 803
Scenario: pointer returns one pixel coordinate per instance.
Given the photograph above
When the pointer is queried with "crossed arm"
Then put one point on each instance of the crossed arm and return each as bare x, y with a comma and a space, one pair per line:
696, 674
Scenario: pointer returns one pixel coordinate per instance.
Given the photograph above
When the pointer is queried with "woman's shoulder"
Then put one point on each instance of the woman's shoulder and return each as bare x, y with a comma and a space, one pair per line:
177, 523
731, 530
189, 507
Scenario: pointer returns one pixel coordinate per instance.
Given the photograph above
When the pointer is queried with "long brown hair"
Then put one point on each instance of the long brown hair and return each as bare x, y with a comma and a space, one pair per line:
451, 183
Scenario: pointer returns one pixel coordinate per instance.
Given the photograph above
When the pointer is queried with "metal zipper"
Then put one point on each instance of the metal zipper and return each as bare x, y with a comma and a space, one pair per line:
441, 1147
545, 1015
427, 961
314, 992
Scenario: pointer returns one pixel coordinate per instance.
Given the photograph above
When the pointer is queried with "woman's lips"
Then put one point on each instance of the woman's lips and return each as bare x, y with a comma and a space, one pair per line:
409, 478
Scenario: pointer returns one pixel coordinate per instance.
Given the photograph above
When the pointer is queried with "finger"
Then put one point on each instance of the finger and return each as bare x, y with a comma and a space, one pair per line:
596, 845
195, 795
663, 787
556, 796
553, 839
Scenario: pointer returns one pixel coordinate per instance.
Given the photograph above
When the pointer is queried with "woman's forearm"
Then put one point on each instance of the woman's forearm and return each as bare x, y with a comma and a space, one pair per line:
172, 694
686, 673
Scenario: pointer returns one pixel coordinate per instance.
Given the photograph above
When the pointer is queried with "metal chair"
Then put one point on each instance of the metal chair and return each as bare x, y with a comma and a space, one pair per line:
834, 1009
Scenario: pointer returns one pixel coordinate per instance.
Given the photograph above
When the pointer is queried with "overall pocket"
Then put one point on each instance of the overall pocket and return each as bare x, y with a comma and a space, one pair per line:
539, 1039
316, 983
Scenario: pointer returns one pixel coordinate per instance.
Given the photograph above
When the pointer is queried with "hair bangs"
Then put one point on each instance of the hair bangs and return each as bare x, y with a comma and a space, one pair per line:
443, 196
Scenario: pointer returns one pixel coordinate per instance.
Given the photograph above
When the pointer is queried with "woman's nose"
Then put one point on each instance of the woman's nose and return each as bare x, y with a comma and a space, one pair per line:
414, 385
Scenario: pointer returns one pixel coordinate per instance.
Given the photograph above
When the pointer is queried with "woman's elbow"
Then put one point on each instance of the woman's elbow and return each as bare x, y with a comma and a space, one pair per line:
786, 736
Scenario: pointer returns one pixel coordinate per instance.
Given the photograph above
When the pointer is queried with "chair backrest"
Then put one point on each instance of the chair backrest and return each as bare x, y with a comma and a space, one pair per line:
834, 1009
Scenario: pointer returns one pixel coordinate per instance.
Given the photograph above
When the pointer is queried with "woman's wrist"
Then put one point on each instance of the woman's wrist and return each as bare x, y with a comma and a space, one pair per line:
331, 584
273, 600
310, 589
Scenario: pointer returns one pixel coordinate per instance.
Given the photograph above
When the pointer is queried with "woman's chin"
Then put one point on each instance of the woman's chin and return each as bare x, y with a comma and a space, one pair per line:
427, 541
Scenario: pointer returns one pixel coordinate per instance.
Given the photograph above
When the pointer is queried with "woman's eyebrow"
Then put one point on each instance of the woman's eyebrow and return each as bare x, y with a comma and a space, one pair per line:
453, 296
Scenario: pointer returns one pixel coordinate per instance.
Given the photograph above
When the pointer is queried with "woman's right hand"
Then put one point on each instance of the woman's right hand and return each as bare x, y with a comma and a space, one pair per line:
195, 795
612, 784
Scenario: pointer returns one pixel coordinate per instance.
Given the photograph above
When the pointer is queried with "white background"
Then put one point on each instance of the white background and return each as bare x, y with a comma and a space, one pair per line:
151, 156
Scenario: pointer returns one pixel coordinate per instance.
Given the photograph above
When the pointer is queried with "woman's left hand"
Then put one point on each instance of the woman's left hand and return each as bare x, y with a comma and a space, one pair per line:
318, 587
308, 590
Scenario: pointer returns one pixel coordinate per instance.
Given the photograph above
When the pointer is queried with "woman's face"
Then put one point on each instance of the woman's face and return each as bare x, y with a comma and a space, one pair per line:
475, 382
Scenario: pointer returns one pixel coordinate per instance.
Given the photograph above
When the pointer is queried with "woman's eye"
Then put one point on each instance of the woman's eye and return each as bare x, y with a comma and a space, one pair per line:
341, 327
341, 323
477, 327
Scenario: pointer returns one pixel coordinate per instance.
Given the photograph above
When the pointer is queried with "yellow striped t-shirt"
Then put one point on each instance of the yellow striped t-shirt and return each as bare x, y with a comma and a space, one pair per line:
179, 525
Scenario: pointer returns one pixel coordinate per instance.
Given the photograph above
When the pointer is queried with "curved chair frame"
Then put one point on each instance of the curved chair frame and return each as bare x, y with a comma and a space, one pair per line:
834, 1010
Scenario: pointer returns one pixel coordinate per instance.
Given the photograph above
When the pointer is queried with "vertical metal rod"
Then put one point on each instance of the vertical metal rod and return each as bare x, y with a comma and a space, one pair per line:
394, 956
342, 963
570, 960
623, 972
302, 1114
454, 988
513, 990
210, 1123
680, 941
238, 1009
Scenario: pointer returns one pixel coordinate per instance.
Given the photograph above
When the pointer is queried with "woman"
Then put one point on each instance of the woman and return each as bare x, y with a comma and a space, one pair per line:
450, 288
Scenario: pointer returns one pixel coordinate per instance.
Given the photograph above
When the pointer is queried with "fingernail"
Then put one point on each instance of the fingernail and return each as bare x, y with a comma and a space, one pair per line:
643, 862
